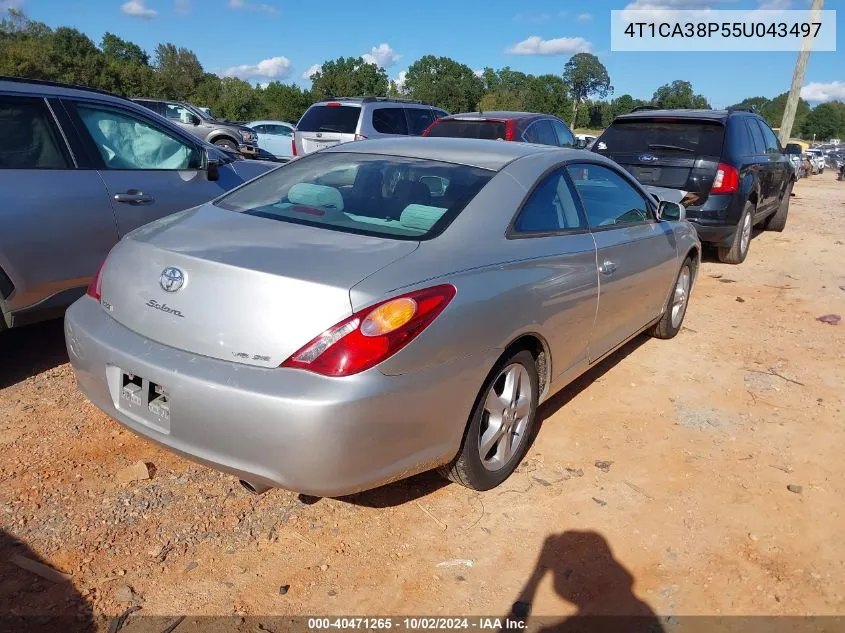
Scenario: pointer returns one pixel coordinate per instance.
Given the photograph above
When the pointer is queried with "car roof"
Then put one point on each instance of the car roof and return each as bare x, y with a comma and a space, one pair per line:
270, 122
493, 155
51, 88
498, 114
716, 115
354, 101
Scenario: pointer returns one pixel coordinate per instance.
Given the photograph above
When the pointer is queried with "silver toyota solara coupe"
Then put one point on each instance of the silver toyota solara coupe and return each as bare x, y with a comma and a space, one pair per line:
378, 309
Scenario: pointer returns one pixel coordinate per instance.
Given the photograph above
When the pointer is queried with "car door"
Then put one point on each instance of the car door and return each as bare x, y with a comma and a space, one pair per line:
551, 233
774, 167
56, 223
149, 169
636, 254
275, 138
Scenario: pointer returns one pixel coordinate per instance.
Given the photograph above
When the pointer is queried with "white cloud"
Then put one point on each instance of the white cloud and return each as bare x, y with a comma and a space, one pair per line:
5, 5
272, 68
815, 91
584, 17
536, 45
182, 7
666, 10
248, 6
400, 80
314, 69
381, 55
478, 73
775, 5
136, 8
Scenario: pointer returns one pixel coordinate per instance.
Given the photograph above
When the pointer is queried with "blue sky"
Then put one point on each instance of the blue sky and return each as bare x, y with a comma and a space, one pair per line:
261, 40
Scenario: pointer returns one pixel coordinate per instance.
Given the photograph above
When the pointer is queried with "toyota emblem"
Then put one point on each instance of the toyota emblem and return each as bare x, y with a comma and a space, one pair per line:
172, 279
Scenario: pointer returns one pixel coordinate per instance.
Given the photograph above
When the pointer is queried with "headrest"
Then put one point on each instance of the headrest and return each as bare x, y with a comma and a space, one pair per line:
420, 216
316, 196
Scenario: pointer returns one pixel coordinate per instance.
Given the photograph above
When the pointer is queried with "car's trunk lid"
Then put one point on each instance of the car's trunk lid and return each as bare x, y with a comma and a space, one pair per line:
673, 153
235, 287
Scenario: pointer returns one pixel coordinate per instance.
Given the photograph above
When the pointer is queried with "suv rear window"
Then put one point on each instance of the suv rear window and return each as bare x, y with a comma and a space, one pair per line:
460, 128
326, 118
703, 138
384, 196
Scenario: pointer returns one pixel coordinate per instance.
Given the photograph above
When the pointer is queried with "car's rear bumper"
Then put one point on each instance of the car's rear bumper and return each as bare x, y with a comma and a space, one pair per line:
716, 220
278, 427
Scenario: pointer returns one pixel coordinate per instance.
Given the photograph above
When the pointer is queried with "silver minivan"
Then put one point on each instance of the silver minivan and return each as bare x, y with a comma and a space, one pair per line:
328, 123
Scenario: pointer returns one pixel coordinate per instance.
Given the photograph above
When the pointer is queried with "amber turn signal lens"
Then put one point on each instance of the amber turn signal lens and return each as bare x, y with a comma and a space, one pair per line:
389, 317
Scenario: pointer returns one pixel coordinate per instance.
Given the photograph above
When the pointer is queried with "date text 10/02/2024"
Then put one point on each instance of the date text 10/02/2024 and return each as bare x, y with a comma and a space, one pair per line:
416, 623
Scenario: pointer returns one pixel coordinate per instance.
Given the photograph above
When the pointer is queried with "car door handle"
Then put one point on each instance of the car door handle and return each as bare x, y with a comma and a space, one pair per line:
607, 268
133, 196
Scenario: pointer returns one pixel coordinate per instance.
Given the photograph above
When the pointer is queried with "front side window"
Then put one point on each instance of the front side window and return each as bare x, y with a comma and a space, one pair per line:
279, 130
771, 141
178, 114
126, 142
29, 136
260, 129
550, 207
384, 196
564, 136
390, 121
608, 198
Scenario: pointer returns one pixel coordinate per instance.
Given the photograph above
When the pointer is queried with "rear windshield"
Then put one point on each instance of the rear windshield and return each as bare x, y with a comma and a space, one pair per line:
324, 118
385, 196
457, 128
701, 138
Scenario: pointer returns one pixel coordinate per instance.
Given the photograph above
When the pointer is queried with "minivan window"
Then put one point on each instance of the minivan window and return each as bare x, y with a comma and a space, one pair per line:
384, 196
30, 139
390, 121
342, 119
419, 119
700, 138
462, 128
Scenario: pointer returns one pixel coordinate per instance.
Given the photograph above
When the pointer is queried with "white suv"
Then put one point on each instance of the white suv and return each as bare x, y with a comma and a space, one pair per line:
328, 123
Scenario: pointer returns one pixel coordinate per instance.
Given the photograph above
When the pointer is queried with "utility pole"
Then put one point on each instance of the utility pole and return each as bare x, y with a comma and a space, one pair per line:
798, 78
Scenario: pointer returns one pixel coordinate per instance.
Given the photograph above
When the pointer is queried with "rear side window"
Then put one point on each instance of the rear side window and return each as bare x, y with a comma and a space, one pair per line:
30, 139
564, 136
384, 196
460, 128
419, 119
550, 208
607, 197
769, 138
702, 138
155, 106
758, 144
342, 119
390, 121
541, 132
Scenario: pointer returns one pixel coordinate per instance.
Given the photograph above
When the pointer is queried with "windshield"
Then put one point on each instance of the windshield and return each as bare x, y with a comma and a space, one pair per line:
461, 128
385, 196
701, 138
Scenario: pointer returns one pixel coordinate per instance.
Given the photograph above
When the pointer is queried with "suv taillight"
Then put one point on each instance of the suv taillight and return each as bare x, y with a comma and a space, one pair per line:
293, 144
726, 180
510, 130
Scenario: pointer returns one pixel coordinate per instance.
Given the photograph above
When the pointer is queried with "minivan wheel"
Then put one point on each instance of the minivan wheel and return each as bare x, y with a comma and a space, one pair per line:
501, 425
224, 142
673, 317
737, 252
777, 221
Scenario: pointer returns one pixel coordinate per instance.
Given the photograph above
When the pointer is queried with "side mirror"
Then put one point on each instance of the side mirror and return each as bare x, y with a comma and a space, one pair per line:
580, 143
195, 120
793, 148
670, 211
212, 168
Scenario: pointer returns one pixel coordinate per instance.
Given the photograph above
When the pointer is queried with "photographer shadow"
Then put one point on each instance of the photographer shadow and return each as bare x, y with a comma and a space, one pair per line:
586, 574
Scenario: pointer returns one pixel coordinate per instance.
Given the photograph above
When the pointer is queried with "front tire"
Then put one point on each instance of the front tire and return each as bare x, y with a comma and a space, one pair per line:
501, 425
738, 251
226, 143
777, 221
673, 317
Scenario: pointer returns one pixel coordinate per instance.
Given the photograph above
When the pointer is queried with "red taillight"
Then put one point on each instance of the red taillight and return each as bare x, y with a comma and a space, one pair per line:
333, 104
96, 286
510, 130
726, 180
373, 334
293, 146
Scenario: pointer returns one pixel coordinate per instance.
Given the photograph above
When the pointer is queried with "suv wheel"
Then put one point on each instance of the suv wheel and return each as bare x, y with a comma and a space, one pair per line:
228, 144
737, 252
777, 221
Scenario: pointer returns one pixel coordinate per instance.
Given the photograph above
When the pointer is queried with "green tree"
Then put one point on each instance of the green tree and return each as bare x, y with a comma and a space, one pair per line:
625, 104
178, 70
826, 121
287, 102
445, 83
349, 77
773, 111
75, 58
757, 104
114, 47
678, 94
586, 77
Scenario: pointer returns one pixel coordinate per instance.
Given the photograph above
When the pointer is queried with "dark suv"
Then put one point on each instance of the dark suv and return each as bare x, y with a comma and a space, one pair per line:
727, 166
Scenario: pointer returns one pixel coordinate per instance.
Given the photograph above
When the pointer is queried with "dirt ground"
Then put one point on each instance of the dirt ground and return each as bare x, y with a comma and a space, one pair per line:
690, 513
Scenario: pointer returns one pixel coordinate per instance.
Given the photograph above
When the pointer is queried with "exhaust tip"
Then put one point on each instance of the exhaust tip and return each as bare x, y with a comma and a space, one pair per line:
255, 489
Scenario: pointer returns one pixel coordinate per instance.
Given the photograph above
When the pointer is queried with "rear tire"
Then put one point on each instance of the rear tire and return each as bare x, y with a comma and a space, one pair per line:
228, 144
515, 384
738, 251
777, 221
676, 309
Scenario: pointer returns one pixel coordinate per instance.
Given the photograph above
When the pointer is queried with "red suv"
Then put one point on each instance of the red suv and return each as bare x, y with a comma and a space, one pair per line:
527, 127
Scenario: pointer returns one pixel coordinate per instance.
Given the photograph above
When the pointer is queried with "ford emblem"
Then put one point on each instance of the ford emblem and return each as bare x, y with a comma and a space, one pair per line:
648, 158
